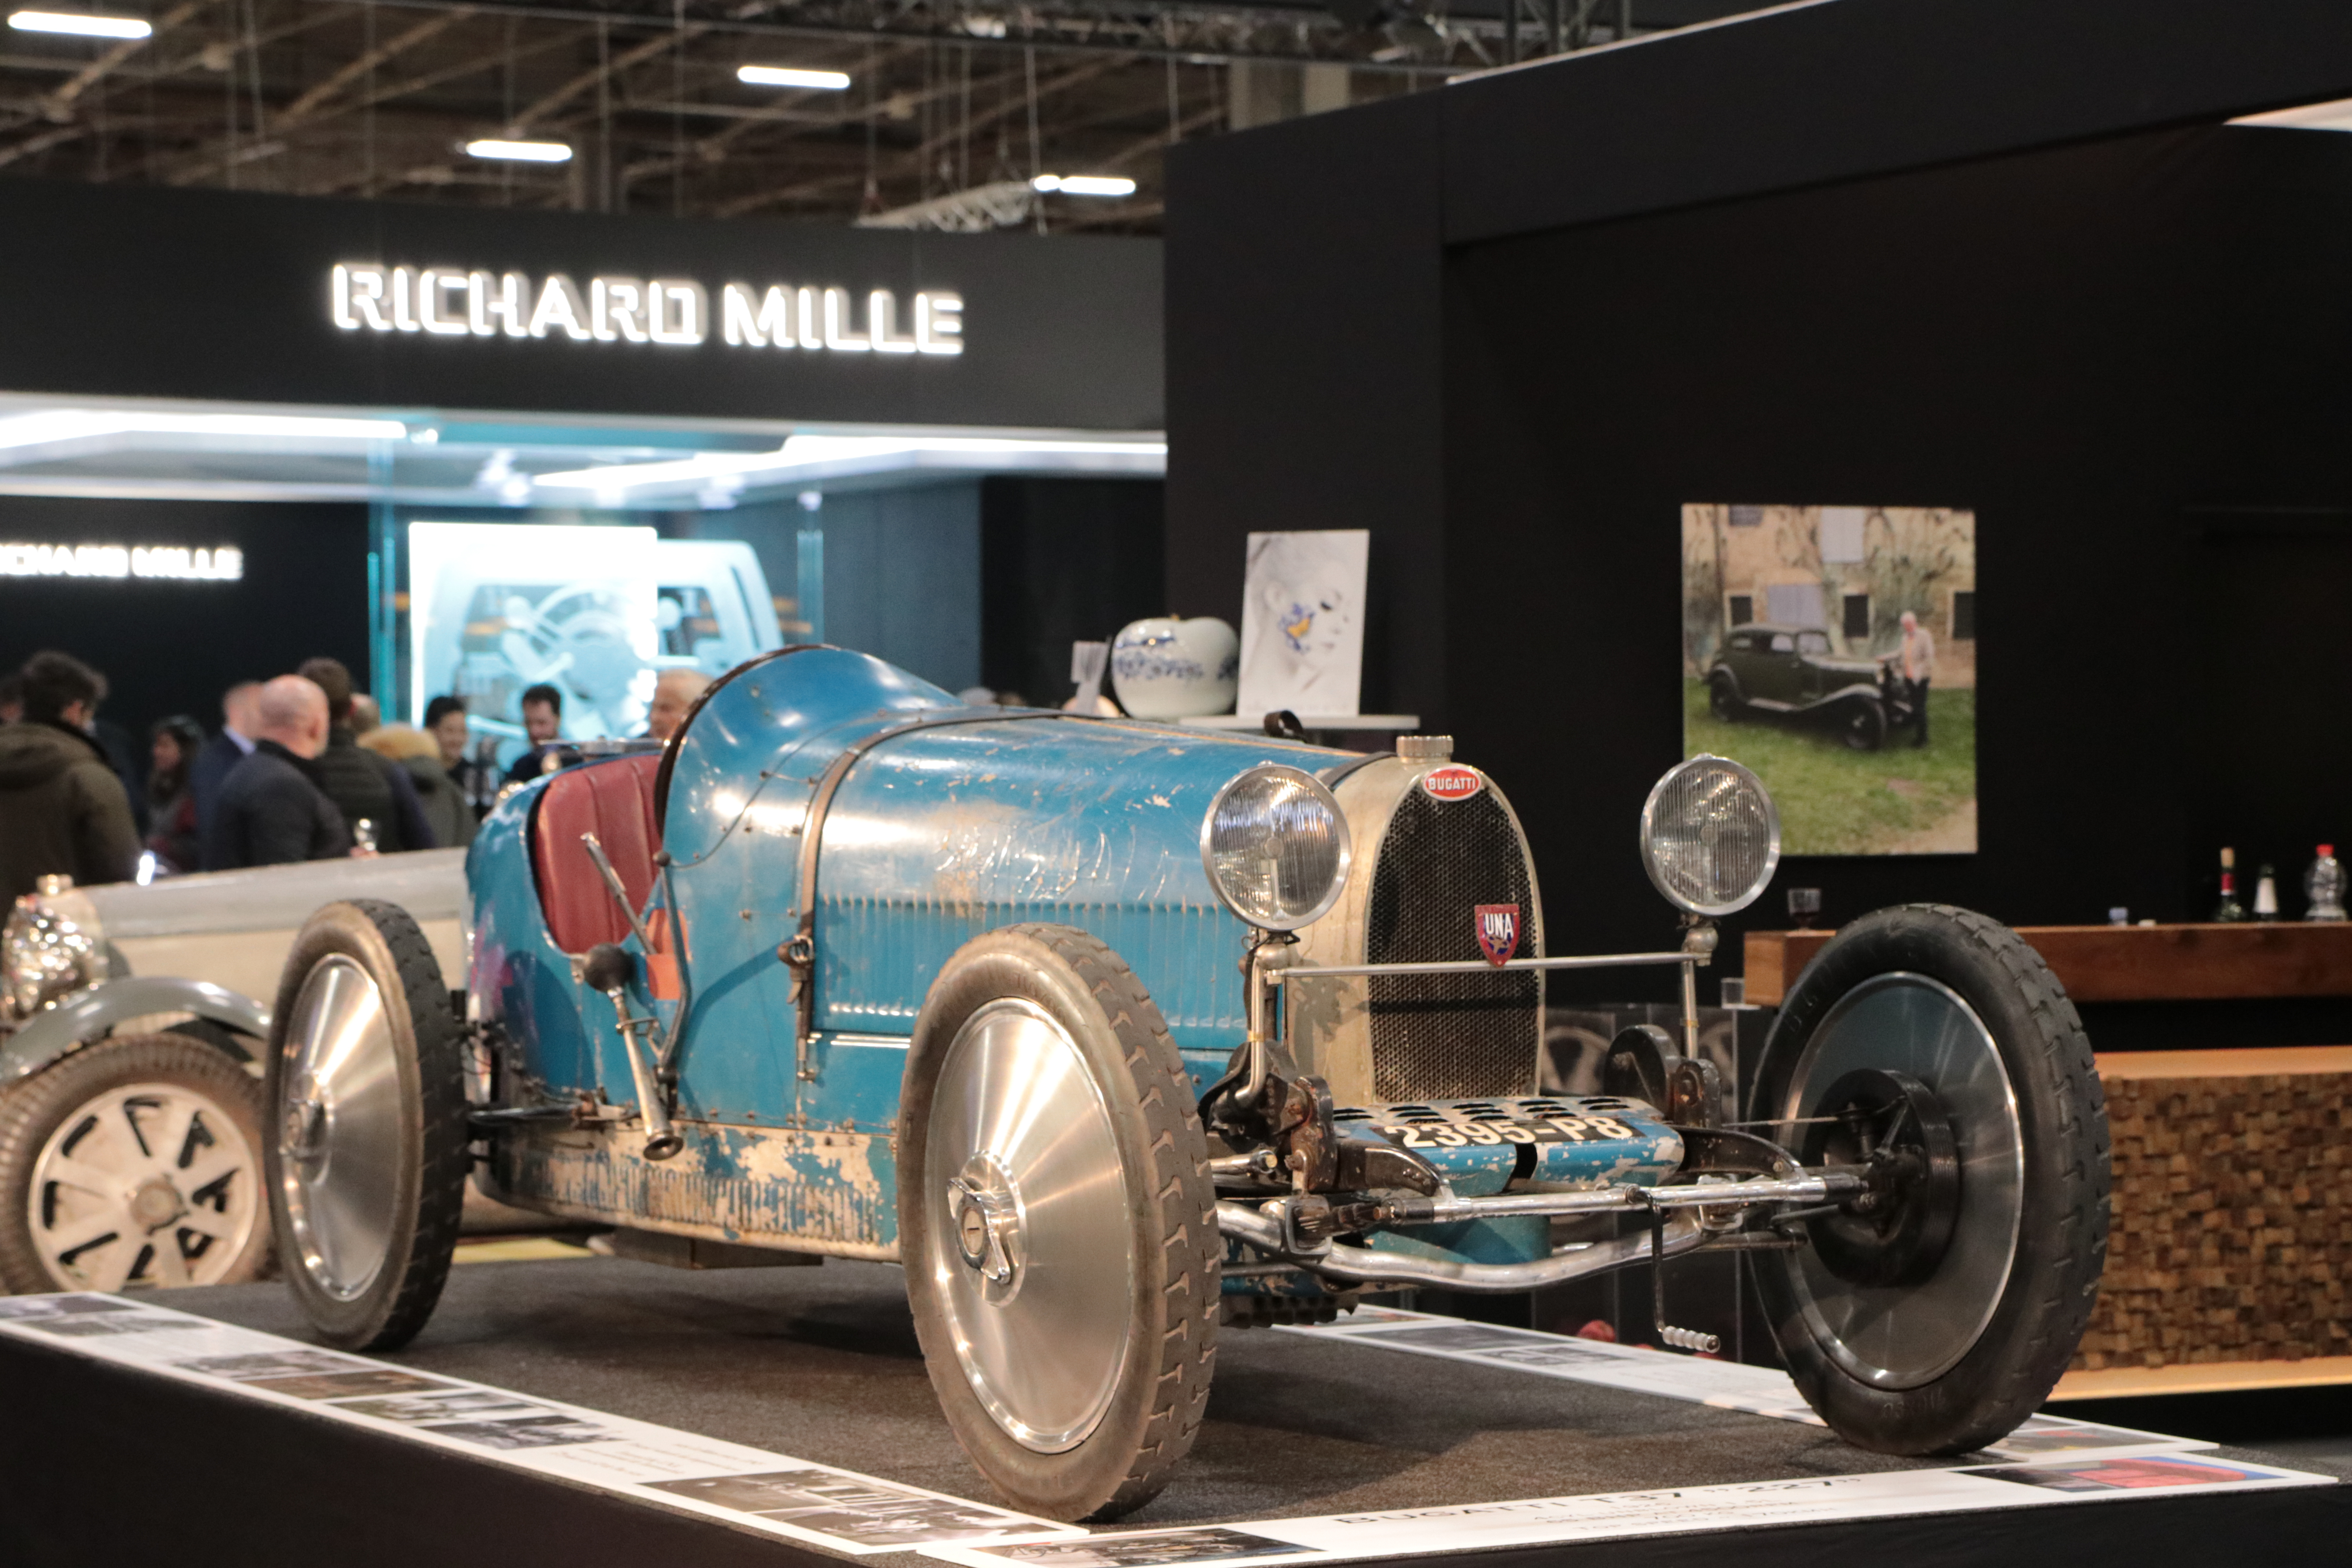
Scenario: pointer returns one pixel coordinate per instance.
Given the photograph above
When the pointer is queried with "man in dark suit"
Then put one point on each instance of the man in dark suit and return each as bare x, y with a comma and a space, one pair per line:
223, 750
542, 723
367, 787
272, 809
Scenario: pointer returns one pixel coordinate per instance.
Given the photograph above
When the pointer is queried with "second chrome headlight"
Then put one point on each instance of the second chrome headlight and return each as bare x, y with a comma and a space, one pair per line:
1275, 846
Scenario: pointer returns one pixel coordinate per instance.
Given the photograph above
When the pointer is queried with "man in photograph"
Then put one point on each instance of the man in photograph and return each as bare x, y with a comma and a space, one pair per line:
1918, 668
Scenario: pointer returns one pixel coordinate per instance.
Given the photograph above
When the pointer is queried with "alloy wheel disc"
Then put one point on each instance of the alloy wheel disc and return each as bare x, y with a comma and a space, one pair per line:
1903, 1336
1031, 1241
151, 1183
339, 1133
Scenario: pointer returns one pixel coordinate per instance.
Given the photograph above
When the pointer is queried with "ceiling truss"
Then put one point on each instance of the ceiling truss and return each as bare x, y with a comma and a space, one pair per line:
948, 97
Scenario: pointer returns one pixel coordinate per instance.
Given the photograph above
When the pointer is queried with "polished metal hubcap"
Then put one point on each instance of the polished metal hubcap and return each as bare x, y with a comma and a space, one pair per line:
152, 1184
339, 1129
1033, 1248
1903, 1336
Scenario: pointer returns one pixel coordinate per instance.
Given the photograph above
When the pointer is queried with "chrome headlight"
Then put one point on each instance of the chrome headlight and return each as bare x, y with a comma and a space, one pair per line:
1710, 837
51, 947
1275, 846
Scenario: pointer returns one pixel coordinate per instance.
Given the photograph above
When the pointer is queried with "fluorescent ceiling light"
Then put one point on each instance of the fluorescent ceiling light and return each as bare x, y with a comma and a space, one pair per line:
2333, 116
793, 76
521, 152
81, 25
808, 451
77, 424
1085, 185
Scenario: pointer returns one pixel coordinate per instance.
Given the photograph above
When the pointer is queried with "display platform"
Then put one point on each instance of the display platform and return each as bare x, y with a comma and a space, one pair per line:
600, 1411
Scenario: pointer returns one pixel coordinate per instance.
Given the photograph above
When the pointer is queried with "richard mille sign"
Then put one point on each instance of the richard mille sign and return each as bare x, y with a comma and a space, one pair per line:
457, 302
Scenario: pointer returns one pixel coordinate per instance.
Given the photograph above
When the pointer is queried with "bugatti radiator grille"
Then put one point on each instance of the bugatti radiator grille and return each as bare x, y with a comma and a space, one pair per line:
1450, 1036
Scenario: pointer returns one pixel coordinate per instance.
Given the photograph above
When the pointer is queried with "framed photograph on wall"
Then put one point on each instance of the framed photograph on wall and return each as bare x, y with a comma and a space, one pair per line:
1833, 650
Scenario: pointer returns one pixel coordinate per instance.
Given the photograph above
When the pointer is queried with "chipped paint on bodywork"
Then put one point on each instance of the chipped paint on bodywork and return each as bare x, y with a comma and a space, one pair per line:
832, 1193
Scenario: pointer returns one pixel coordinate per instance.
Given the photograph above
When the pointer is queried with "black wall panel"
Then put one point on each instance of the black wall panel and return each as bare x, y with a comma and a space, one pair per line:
175, 646
2090, 347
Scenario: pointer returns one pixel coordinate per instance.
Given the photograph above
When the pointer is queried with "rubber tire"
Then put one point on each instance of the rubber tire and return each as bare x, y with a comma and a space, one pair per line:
1723, 698
2062, 1235
1861, 725
1156, 1410
386, 941
32, 1109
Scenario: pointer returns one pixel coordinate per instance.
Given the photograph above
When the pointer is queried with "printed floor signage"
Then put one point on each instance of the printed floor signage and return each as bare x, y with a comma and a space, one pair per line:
2048, 1460
1698, 1380
746, 1486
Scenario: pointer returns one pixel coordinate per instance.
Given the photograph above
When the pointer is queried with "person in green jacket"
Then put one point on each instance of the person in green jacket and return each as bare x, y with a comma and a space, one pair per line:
63, 811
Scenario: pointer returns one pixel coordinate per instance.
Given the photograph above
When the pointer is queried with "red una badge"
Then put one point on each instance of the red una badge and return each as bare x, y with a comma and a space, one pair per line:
1498, 932
1452, 783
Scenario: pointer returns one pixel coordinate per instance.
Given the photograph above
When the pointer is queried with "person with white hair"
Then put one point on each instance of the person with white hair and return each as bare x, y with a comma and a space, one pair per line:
674, 696
1918, 668
273, 806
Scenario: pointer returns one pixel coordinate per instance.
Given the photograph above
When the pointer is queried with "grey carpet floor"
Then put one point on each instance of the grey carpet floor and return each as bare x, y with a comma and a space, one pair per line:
822, 1364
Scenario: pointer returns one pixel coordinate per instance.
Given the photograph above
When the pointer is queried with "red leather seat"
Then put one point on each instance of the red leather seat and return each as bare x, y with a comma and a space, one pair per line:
614, 801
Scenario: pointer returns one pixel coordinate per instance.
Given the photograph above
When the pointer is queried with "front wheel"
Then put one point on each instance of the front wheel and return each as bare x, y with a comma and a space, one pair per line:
1863, 725
367, 1147
1936, 1316
1723, 698
135, 1162
1058, 1222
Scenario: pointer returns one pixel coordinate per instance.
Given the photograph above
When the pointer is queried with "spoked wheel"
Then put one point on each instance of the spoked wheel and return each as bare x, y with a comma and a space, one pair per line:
1933, 1047
1862, 726
132, 1163
367, 1155
1058, 1222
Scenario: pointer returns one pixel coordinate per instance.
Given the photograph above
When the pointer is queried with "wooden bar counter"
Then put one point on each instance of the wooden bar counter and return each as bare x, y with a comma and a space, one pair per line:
2130, 963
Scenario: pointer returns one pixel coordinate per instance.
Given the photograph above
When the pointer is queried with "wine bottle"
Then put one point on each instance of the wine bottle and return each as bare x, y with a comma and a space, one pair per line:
2229, 909
2324, 885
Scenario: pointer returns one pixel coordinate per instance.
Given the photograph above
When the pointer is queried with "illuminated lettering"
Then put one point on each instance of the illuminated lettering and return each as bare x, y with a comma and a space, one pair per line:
370, 297
487, 312
433, 286
765, 324
837, 335
177, 563
559, 306
614, 306
677, 310
359, 298
881, 316
939, 323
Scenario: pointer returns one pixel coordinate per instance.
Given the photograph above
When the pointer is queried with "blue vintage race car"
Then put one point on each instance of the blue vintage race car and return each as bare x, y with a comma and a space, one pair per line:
1113, 1034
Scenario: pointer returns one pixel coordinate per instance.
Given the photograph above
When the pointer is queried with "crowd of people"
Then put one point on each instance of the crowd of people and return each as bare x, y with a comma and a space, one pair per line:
301, 768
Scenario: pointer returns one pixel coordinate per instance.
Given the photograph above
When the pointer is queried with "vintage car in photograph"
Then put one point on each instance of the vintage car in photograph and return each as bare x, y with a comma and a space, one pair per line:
1790, 673
1115, 1034
131, 1023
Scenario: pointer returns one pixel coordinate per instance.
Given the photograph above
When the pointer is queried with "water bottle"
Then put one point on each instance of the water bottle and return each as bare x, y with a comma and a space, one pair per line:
2324, 885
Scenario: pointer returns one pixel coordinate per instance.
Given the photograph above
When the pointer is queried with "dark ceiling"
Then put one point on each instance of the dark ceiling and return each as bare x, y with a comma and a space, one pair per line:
377, 98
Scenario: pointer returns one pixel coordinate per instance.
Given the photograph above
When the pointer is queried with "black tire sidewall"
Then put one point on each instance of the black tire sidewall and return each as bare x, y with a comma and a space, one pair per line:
32, 1109
1124, 1460
386, 942
2053, 1278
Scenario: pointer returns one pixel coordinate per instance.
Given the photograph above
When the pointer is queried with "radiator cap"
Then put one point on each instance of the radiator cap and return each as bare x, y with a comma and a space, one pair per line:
1425, 748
